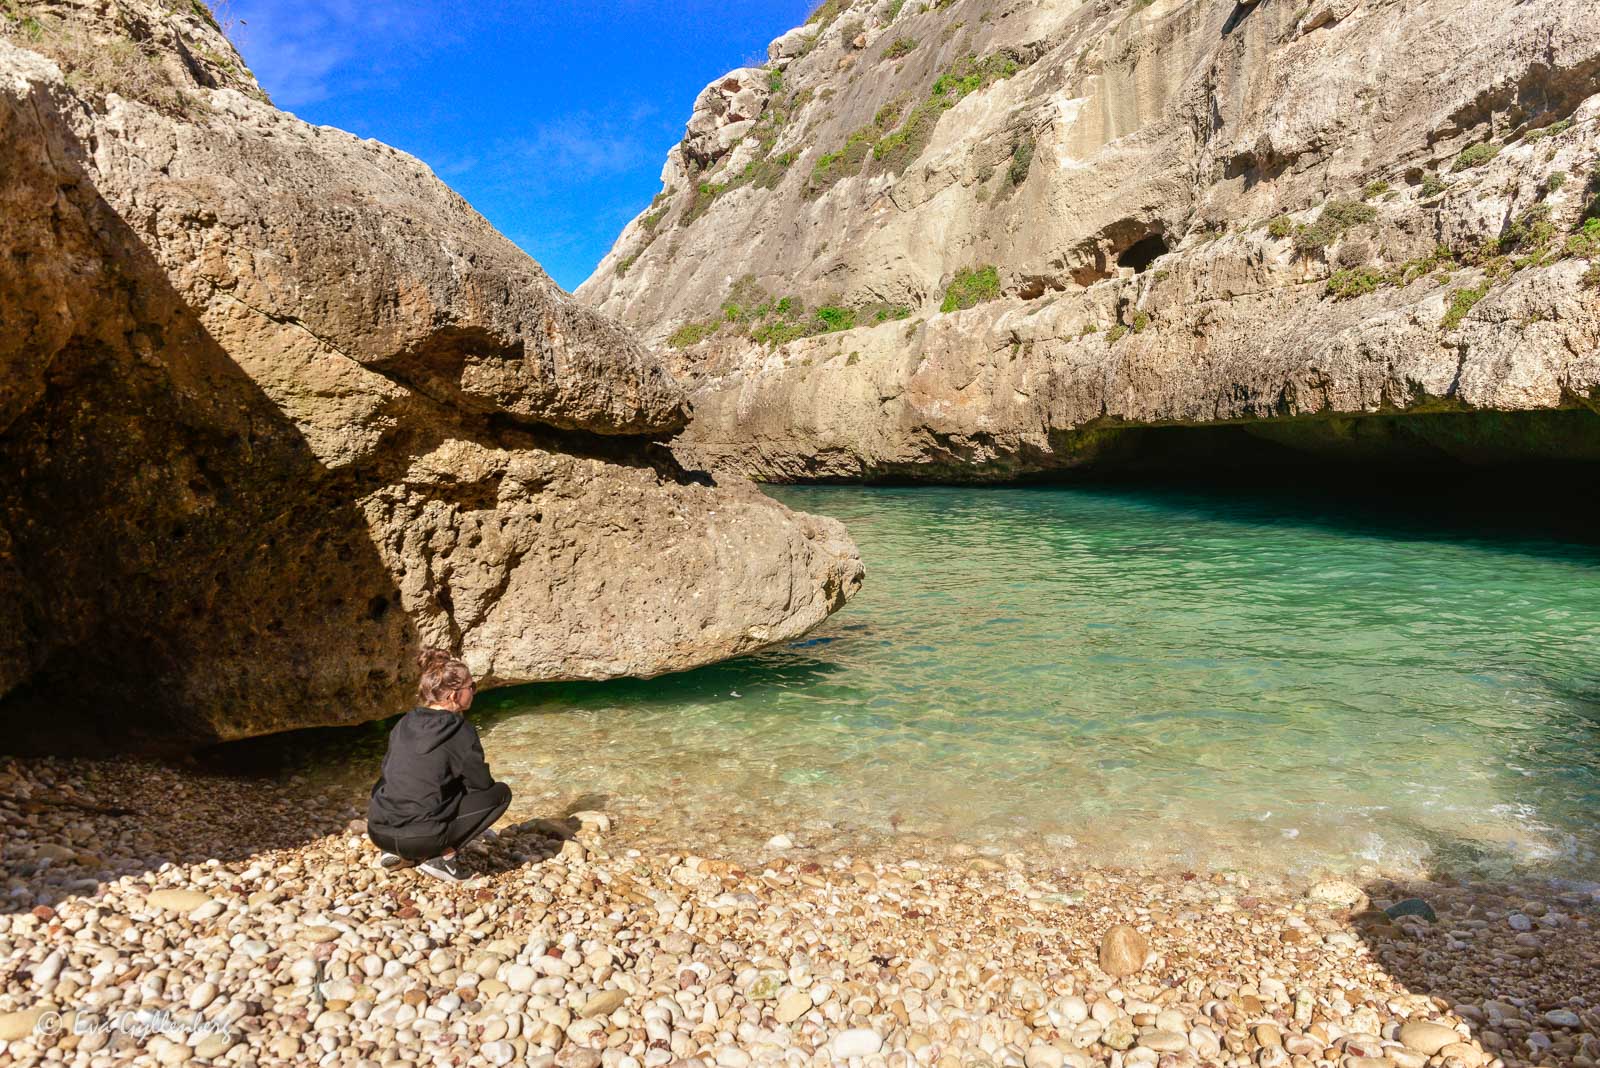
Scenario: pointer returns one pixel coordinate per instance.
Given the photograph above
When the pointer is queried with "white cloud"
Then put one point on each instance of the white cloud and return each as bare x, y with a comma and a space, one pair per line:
303, 53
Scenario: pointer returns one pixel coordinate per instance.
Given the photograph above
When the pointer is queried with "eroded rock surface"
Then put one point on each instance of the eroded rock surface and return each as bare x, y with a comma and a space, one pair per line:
1355, 227
277, 407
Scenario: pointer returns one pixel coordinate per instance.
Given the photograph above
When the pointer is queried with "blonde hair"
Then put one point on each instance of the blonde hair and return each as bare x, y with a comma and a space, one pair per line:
444, 678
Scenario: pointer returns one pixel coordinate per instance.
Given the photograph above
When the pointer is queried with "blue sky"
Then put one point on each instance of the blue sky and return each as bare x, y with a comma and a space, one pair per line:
552, 117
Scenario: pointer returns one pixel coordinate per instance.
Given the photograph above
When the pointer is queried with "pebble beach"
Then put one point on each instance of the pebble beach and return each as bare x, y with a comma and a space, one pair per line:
157, 914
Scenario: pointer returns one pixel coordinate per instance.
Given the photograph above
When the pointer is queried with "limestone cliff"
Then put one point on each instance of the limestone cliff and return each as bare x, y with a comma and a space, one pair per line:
277, 407
975, 239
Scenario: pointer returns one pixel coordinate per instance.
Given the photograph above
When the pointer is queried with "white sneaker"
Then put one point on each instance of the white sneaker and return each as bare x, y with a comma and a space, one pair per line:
391, 860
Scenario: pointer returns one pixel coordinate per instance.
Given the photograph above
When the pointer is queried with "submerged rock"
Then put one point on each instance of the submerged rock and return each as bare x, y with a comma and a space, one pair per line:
278, 407
1412, 906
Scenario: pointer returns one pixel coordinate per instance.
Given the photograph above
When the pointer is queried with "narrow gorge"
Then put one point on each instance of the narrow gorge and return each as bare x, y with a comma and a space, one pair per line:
986, 239
1209, 386
278, 407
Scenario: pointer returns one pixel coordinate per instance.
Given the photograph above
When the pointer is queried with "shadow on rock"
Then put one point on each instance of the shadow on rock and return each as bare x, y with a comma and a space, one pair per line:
1516, 960
75, 825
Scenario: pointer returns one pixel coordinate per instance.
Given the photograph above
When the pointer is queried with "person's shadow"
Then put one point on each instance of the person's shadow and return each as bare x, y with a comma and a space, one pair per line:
520, 844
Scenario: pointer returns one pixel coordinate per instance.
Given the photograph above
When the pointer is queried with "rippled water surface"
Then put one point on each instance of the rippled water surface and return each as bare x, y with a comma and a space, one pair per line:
1130, 675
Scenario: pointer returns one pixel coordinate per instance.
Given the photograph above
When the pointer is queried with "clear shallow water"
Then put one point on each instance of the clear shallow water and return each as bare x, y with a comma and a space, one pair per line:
1269, 682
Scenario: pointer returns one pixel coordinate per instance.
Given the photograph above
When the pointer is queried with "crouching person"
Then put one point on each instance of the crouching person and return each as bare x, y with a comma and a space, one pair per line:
435, 793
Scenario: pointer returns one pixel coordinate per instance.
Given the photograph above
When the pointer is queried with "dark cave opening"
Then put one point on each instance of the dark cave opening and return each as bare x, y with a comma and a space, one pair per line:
1142, 253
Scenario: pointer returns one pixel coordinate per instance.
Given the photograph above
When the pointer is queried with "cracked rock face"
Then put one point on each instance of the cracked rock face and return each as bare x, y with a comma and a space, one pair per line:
1353, 228
278, 408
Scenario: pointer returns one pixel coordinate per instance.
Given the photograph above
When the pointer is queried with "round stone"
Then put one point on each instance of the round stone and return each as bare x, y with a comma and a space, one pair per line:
1425, 1037
1164, 1041
856, 1042
1123, 951
176, 900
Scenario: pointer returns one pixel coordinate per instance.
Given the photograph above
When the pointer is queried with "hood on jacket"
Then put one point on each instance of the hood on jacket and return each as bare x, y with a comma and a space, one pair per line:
426, 729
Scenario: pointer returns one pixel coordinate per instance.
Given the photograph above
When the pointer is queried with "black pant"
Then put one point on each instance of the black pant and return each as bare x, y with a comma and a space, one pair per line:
475, 813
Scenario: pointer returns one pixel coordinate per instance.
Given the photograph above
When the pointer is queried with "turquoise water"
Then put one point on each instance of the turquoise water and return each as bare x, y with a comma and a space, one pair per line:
1150, 676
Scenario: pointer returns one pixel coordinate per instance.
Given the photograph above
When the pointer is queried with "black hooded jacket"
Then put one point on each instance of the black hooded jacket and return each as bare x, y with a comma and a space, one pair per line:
434, 757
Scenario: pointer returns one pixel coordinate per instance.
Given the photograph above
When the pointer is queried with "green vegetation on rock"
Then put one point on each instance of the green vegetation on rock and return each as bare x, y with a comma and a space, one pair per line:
706, 194
1548, 131
893, 148
1461, 302
691, 334
753, 312
1021, 161
1355, 282
900, 47
823, 14
971, 287
897, 150
835, 318
1332, 221
1476, 155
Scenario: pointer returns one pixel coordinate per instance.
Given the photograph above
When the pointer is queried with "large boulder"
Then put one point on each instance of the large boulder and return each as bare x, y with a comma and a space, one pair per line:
277, 407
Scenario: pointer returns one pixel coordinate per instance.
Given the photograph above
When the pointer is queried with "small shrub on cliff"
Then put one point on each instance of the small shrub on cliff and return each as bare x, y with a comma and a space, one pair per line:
823, 14
767, 172
1116, 334
1280, 227
1021, 162
1412, 270
705, 194
969, 288
1347, 213
1432, 185
691, 334
1461, 302
1548, 131
1375, 188
901, 47
651, 221
1476, 156
1530, 232
623, 265
834, 318
970, 74
1141, 321
1333, 220
1355, 282
1591, 277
